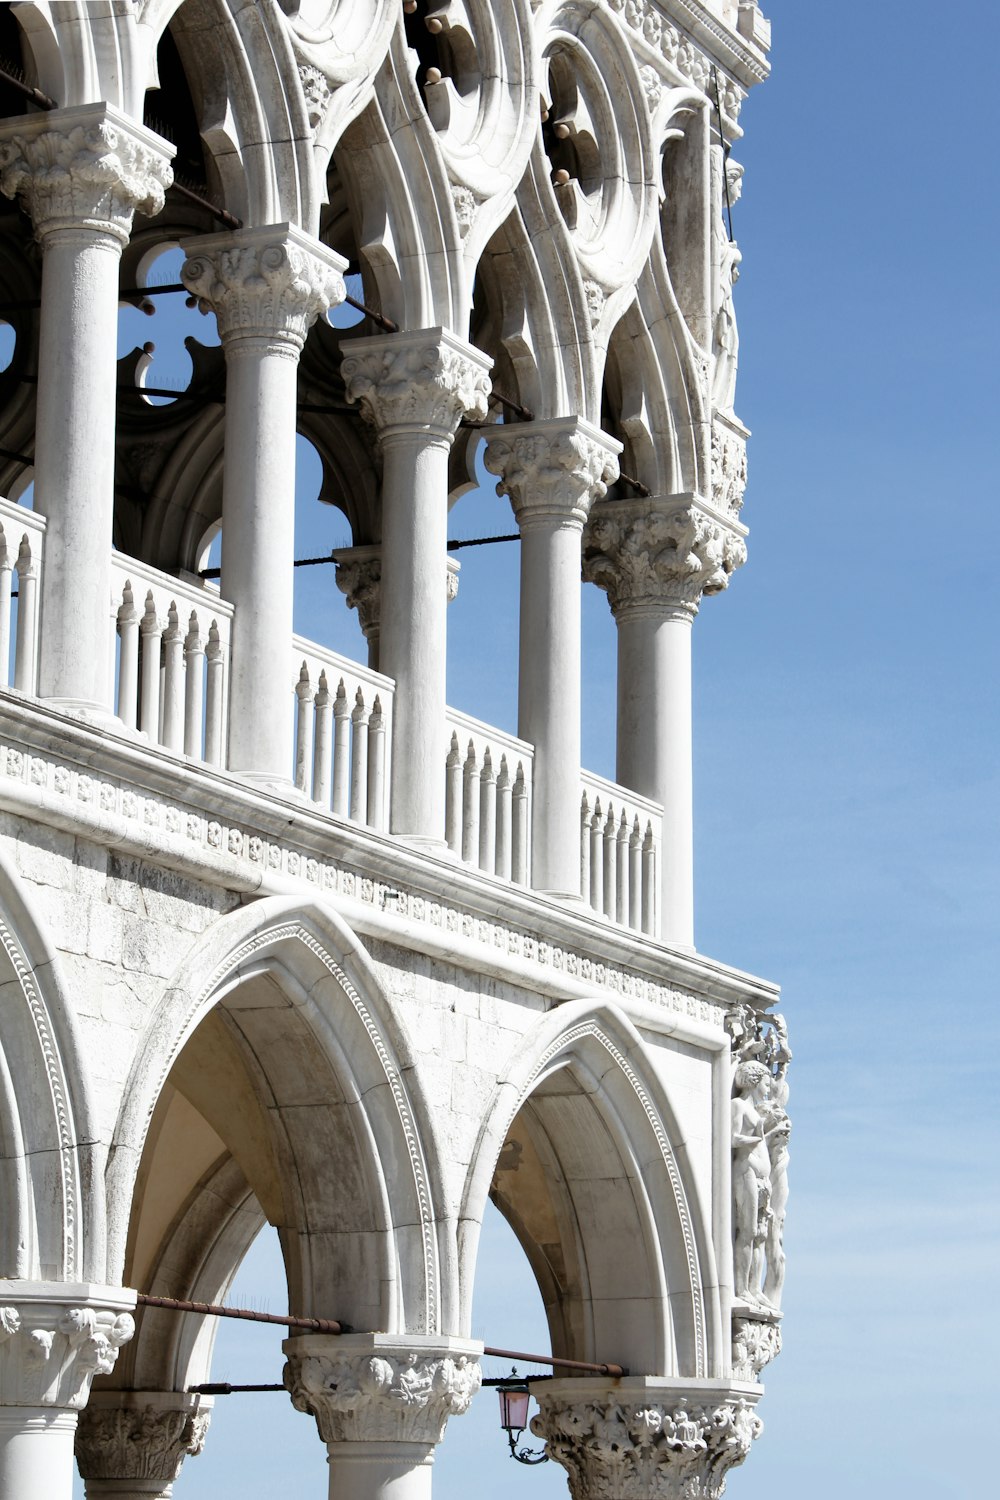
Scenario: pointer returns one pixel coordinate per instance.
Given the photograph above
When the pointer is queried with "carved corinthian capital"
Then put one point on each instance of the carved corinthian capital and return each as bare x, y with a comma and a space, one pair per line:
55, 1337
553, 470
89, 167
646, 1439
144, 1435
269, 283
381, 1387
661, 552
427, 380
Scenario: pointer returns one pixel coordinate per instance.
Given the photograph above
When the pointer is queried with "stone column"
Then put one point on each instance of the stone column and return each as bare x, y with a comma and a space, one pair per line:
381, 1403
553, 471
54, 1338
359, 577
81, 173
646, 1439
131, 1444
655, 558
415, 388
266, 287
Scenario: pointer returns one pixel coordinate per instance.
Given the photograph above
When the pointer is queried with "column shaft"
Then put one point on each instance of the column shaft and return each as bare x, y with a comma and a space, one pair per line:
549, 694
413, 626
654, 745
258, 553
380, 1471
36, 1453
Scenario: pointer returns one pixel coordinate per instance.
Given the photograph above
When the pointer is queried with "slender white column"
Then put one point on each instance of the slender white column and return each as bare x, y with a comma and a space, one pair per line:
646, 1436
82, 172
552, 471
266, 286
381, 1403
131, 1444
415, 388
54, 1338
655, 558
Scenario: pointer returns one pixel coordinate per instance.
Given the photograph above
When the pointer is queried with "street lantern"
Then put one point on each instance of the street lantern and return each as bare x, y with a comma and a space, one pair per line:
514, 1399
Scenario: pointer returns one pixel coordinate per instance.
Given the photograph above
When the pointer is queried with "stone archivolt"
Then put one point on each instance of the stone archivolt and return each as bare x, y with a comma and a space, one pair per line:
672, 1449
641, 552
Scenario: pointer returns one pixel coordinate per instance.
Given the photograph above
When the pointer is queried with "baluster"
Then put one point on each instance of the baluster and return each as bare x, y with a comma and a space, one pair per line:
5, 608
488, 815
26, 650
194, 685
585, 847
149, 628
470, 808
128, 658
597, 857
521, 820
648, 881
621, 894
610, 862
323, 746
503, 863
635, 876
173, 681
376, 766
453, 795
303, 728
359, 759
341, 751
215, 696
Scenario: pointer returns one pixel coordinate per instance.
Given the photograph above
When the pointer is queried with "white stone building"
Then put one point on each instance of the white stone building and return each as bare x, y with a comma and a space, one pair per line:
286, 937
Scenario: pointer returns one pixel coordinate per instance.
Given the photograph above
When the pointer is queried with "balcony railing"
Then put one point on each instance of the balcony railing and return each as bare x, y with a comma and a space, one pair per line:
171, 644
21, 537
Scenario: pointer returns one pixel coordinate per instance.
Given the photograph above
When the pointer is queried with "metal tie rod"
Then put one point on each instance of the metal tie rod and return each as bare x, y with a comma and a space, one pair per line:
244, 1314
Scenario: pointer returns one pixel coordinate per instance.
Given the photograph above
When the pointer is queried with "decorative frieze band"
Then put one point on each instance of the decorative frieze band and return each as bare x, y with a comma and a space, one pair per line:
426, 379
553, 470
668, 550
266, 283
646, 1444
243, 853
376, 1388
54, 1339
89, 167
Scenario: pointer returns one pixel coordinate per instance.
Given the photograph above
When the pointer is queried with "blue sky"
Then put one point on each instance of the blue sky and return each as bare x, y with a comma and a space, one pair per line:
846, 772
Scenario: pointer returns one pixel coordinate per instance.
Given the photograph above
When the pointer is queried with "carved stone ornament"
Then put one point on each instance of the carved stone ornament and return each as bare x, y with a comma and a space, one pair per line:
381, 1388
140, 1435
655, 1442
756, 1341
427, 379
761, 1129
553, 470
55, 1337
665, 551
266, 283
729, 465
89, 167
359, 577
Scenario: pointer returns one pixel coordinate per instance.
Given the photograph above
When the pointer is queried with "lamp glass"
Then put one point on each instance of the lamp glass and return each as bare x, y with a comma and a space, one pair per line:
513, 1409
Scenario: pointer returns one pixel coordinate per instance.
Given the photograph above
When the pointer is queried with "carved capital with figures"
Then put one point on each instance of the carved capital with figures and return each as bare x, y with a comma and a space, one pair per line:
55, 1337
666, 551
553, 471
139, 1435
426, 380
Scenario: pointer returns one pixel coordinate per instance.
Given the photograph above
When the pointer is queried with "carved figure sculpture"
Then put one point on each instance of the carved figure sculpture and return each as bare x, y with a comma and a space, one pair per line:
725, 333
751, 1177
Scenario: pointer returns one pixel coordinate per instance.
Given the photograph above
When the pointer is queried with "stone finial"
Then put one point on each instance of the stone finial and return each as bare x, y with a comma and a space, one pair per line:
266, 283
660, 552
139, 1435
380, 1387
555, 469
645, 1438
55, 1337
426, 379
88, 167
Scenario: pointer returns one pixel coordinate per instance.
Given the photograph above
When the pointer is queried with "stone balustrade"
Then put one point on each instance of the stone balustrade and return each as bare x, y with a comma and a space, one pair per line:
343, 734
488, 798
172, 653
21, 538
620, 837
